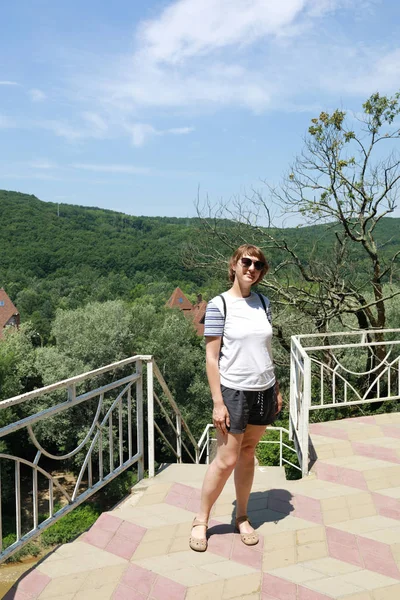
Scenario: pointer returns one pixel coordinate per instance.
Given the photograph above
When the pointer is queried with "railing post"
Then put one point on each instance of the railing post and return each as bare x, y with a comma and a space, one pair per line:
178, 438
150, 417
280, 447
208, 447
139, 420
305, 412
292, 378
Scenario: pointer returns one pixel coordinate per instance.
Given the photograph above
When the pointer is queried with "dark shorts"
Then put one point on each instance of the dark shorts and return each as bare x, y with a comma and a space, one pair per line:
249, 408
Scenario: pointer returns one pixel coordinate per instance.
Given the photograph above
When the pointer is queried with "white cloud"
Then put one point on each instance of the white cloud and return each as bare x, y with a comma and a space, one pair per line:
189, 28
91, 125
96, 123
198, 56
179, 130
8, 83
42, 164
37, 95
371, 71
142, 132
112, 168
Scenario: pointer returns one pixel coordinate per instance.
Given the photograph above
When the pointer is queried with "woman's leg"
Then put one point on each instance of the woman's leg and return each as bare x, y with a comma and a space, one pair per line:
244, 472
217, 475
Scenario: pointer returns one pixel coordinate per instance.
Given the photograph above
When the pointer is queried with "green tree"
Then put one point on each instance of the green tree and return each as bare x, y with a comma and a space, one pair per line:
345, 181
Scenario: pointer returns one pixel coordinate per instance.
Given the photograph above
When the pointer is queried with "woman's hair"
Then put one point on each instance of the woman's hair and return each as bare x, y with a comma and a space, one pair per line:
250, 250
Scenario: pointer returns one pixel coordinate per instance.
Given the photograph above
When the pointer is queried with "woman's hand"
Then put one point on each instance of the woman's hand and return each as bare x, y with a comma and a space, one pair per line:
221, 418
278, 402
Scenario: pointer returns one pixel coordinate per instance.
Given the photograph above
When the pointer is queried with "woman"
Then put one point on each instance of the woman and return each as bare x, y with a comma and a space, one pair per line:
244, 390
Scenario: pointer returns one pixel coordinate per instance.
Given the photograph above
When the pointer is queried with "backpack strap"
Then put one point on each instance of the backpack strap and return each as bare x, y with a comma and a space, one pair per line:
262, 301
264, 306
224, 304
222, 336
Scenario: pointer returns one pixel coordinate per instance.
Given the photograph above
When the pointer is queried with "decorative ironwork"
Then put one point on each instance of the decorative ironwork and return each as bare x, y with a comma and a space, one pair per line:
113, 440
340, 369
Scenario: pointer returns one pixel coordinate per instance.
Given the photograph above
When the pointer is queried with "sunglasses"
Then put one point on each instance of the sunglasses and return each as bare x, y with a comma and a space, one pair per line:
247, 262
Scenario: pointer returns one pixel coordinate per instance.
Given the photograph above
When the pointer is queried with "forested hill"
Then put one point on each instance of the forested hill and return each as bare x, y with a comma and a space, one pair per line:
64, 256
41, 238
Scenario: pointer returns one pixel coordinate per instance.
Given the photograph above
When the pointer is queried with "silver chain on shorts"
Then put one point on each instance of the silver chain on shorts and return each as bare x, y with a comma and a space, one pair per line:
260, 402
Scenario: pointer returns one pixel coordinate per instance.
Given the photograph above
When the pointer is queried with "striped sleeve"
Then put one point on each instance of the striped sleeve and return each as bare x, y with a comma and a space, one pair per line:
214, 321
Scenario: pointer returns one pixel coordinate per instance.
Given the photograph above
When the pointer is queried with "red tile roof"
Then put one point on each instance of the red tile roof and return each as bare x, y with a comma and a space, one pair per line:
7, 311
196, 312
179, 300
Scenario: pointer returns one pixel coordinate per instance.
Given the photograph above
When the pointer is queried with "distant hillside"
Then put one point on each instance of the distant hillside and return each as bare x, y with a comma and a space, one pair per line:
63, 255
42, 238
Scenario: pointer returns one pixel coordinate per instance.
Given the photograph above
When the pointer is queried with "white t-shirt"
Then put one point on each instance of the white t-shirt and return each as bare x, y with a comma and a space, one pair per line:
246, 356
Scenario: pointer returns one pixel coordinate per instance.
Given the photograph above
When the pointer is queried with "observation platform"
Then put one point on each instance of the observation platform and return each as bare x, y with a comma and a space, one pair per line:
334, 534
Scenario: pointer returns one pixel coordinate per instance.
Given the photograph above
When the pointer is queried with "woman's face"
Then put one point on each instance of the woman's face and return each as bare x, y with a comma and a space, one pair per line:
248, 269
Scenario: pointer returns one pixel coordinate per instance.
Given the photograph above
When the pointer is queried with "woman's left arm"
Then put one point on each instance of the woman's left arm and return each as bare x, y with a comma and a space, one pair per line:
278, 396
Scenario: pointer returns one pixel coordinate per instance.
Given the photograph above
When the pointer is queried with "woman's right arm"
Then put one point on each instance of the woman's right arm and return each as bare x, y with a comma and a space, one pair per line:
220, 412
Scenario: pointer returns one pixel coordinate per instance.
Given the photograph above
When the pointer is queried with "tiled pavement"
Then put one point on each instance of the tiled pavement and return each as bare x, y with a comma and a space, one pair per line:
335, 534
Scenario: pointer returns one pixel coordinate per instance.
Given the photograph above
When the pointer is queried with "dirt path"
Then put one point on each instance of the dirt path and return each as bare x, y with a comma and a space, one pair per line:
10, 573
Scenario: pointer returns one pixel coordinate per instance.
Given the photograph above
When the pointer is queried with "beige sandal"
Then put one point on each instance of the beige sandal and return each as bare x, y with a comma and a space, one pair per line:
198, 544
250, 539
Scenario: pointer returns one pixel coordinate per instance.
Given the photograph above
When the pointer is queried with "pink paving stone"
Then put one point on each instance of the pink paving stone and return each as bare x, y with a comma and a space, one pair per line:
166, 589
131, 531
307, 508
221, 544
108, 522
123, 592
391, 431
139, 579
308, 514
341, 537
33, 583
347, 554
387, 454
278, 588
183, 490
121, 546
97, 537
352, 478
382, 501
391, 514
193, 504
327, 472
368, 546
176, 499
304, 593
381, 565
325, 430
246, 555
267, 597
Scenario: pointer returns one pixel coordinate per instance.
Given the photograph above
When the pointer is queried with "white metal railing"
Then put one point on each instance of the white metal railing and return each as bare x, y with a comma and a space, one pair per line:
204, 444
333, 370
112, 442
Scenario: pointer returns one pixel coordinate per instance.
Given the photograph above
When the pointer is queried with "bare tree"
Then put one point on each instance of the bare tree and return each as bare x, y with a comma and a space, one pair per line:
344, 180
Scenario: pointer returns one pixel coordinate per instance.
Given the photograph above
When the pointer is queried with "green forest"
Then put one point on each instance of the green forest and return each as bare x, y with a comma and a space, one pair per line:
91, 286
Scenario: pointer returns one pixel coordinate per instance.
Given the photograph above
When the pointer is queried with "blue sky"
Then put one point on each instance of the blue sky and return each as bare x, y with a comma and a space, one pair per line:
135, 105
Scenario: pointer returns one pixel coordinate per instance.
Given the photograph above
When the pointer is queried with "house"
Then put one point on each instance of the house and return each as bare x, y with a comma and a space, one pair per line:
9, 315
196, 312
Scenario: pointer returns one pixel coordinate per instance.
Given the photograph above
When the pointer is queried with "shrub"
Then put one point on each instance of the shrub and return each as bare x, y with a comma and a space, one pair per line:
70, 526
30, 549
